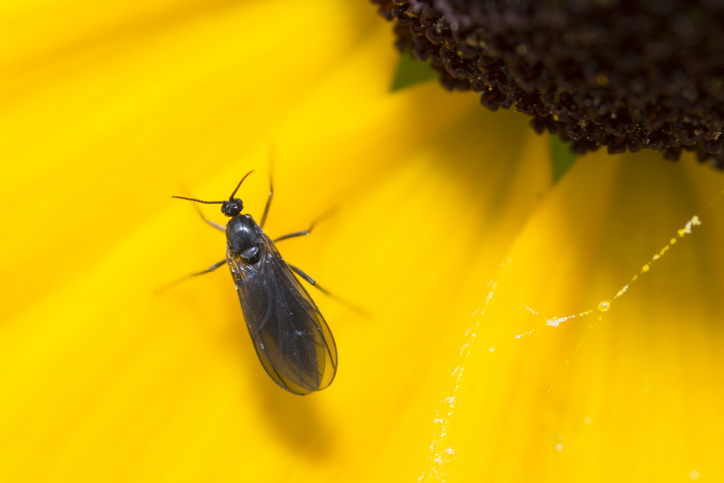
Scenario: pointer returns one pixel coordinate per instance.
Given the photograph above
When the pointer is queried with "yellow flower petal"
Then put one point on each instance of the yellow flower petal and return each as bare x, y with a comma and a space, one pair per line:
111, 111
624, 394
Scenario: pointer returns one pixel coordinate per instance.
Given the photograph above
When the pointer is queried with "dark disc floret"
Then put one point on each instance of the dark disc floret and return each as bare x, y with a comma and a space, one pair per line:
625, 74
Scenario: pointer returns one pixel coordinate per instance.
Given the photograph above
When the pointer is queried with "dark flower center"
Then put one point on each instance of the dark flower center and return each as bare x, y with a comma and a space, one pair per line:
628, 74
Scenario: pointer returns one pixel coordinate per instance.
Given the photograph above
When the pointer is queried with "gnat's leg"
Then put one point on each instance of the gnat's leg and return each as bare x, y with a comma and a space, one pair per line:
271, 187
212, 223
346, 303
303, 232
186, 277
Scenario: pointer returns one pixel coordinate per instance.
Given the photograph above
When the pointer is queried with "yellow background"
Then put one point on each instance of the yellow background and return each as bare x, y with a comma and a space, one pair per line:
107, 111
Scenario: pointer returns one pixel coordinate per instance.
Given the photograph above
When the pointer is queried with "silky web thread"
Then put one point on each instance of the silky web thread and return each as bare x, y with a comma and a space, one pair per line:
442, 454
605, 305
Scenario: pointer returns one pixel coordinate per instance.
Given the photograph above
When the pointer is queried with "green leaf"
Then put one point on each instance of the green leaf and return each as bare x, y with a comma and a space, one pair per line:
410, 71
561, 158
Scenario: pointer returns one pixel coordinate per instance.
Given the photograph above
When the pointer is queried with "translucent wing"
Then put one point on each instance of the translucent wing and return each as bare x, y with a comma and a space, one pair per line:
291, 338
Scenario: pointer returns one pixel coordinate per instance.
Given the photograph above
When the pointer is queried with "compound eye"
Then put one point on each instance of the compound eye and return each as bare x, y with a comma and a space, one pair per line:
232, 207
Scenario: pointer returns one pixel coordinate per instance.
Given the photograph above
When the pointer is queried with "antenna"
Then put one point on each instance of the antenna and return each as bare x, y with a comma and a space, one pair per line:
230, 207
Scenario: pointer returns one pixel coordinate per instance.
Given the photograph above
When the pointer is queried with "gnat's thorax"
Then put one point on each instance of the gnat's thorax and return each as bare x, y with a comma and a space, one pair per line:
242, 235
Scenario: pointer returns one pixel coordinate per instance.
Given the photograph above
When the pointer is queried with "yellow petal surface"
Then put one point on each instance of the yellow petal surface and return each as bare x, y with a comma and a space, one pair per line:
108, 111
593, 353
